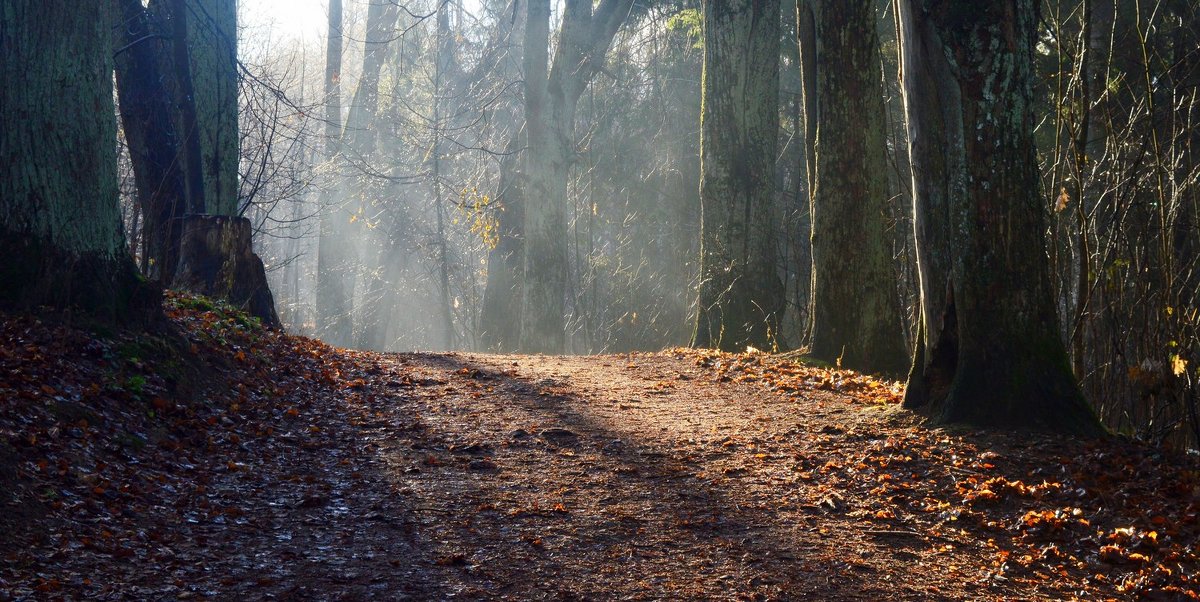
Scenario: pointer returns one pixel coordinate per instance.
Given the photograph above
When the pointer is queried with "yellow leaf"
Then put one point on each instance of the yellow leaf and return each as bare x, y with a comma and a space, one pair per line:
1178, 365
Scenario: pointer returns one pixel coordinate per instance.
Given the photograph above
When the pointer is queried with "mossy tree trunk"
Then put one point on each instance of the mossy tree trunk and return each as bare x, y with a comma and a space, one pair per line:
741, 294
552, 92
989, 350
855, 308
60, 228
216, 256
186, 122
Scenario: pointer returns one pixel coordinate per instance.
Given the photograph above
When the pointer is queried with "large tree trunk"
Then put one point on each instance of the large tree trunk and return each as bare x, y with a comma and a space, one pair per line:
741, 294
147, 117
335, 258
545, 250
191, 155
60, 227
855, 302
551, 95
499, 318
212, 48
990, 351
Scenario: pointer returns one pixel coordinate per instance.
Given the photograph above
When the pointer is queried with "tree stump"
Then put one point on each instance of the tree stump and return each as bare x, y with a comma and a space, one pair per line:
217, 260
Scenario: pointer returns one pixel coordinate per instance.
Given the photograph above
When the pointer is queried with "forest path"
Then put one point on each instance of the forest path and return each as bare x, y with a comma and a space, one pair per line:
225, 461
650, 476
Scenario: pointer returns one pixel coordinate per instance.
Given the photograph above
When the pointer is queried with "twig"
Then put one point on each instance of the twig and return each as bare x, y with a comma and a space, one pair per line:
892, 532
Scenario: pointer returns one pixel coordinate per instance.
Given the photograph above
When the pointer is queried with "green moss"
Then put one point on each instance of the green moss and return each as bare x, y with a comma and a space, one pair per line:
196, 303
805, 360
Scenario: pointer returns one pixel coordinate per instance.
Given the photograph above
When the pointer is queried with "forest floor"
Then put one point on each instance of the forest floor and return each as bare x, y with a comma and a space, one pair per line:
209, 458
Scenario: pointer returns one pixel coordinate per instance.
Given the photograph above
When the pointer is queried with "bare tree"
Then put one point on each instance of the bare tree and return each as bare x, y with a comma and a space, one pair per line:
552, 91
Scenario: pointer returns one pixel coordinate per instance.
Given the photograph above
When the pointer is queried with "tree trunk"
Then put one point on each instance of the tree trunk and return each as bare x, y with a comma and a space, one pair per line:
551, 95
212, 48
499, 318
360, 133
545, 249
502, 295
989, 352
741, 294
855, 303
60, 226
216, 256
147, 117
359, 142
445, 56
335, 258
191, 154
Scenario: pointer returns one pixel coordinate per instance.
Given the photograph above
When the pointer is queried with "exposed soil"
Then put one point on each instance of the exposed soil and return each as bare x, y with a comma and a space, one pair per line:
333, 475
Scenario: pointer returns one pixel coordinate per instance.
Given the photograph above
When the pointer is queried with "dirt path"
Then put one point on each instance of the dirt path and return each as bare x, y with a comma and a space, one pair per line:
529, 477
310, 473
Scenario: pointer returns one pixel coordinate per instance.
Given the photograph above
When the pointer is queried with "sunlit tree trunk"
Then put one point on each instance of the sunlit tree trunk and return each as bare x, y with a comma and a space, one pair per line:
989, 351
60, 229
551, 94
147, 117
335, 258
855, 304
444, 60
499, 317
359, 142
502, 295
741, 293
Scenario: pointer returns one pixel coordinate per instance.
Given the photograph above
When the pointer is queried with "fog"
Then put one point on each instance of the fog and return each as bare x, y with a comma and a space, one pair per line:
412, 184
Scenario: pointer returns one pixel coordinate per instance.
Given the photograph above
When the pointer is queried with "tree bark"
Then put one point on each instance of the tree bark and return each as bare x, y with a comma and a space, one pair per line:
741, 294
60, 227
212, 46
855, 301
191, 153
989, 352
551, 95
147, 117
216, 255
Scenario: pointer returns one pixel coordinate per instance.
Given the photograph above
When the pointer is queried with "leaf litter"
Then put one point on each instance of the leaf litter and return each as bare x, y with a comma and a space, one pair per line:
211, 458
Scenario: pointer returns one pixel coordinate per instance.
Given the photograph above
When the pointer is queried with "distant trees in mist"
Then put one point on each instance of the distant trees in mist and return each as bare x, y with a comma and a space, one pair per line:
1016, 228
